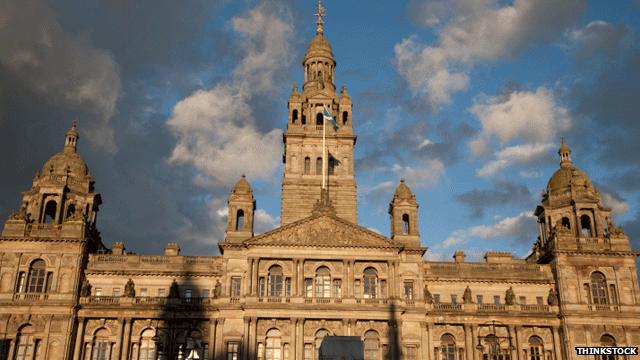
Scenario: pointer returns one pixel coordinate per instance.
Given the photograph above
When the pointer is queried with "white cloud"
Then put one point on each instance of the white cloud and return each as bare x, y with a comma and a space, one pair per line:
532, 116
264, 221
597, 37
516, 226
423, 174
61, 67
618, 206
477, 31
215, 129
517, 154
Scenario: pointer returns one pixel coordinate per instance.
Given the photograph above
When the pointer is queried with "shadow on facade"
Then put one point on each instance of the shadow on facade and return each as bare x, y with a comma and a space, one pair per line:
394, 341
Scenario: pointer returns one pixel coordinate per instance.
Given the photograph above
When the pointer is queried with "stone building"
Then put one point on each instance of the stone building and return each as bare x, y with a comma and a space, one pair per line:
65, 295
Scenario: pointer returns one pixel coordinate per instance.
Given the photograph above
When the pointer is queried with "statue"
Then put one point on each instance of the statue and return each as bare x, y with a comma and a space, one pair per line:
217, 290
613, 230
468, 299
174, 292
428, 298
130, 289
552, 299
510, 297
85, 290
21, 214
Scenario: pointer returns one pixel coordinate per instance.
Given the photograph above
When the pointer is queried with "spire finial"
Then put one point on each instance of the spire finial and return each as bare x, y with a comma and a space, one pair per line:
71, 137
564, 152
320, 15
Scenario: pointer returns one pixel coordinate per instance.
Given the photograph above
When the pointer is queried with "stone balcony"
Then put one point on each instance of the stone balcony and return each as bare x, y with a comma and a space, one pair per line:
20, 229
35, 298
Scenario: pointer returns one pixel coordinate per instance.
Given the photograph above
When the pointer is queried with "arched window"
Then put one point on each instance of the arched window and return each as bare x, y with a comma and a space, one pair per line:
566, 223
405, 224
71, 210
609, 341
345, 117
371, 345
585, 225
273, 349
307, 165
319, 74
50, 212
332, 165
275, 281
319, 119
320, 334
294, 116
536, 348
447, 347
370, 283
319, 166
147, 345
101, 345
26, 344
598, 288
323, 282
37, 272
240, 220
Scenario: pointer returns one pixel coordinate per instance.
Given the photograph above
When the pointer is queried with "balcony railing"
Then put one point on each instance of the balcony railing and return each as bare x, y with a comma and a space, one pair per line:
492, 307
30, 296
534, 308
100, 300
604, 307
447, 307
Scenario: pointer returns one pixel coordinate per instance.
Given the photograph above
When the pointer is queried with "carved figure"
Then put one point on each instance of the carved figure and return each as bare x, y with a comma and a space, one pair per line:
85, 290
217, 290
428, 298
467, 297
130, 289
510, 297
552, 299
173, 290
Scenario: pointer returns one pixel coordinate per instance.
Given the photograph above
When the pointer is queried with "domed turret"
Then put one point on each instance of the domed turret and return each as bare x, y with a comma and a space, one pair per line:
241, 207
569, 183
67, 162
319, 62
403, 192
403, 211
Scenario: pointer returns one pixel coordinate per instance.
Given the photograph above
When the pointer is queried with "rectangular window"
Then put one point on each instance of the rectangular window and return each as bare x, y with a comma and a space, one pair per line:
285, 352
479, 299
98, 291
308, 288
411, 353
383, 289
308, 352
337, 288
48, 283
260, 351
454, 299
287, 287
408, 290
205, 293
21, 282
357, 288
236, 283
187, 293
116, 292
233, 350
143, 292
262, 287
162, 292
523, 300
436, 298
496, 299
539, 300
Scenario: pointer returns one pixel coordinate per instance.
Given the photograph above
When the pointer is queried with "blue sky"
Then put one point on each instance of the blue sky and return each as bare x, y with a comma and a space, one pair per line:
467, 100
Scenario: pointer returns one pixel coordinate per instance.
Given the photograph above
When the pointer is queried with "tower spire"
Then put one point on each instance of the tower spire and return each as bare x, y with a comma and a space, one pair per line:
564, 152
320, 15
71, 137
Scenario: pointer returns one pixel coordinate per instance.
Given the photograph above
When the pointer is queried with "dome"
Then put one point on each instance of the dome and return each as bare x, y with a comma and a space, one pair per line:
567, 176
59, 163
242, 187
403, 191
319, 47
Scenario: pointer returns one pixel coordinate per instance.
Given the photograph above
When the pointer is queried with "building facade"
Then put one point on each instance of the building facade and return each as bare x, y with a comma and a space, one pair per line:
276, 295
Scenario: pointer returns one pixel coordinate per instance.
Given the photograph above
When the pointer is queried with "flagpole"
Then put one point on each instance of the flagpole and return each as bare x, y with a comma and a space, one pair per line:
324, 150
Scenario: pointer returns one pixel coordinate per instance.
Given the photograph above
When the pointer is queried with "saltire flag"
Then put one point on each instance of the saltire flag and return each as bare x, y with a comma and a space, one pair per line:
327, 116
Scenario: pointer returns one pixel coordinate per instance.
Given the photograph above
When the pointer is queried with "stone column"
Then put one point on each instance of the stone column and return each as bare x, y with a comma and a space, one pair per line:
512, 333
79, 339
474, 336
294, 339
517, 344
302, 289
345, 279
245, 339
127, 338
295, 278
219, 351
349, 280
557, 351
253, 334
248, 286
212, 338
300, 336
12, 348
468, 339
119, 339
424, 351
430, 339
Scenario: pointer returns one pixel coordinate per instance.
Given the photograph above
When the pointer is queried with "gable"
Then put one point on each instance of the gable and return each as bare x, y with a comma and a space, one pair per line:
322, 230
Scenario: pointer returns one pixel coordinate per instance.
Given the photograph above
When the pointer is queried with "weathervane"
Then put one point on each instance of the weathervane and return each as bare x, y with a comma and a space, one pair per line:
320, 14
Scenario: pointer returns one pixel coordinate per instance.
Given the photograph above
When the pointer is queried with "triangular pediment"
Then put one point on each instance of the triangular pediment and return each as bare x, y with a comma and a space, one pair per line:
323, 230
319, 94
